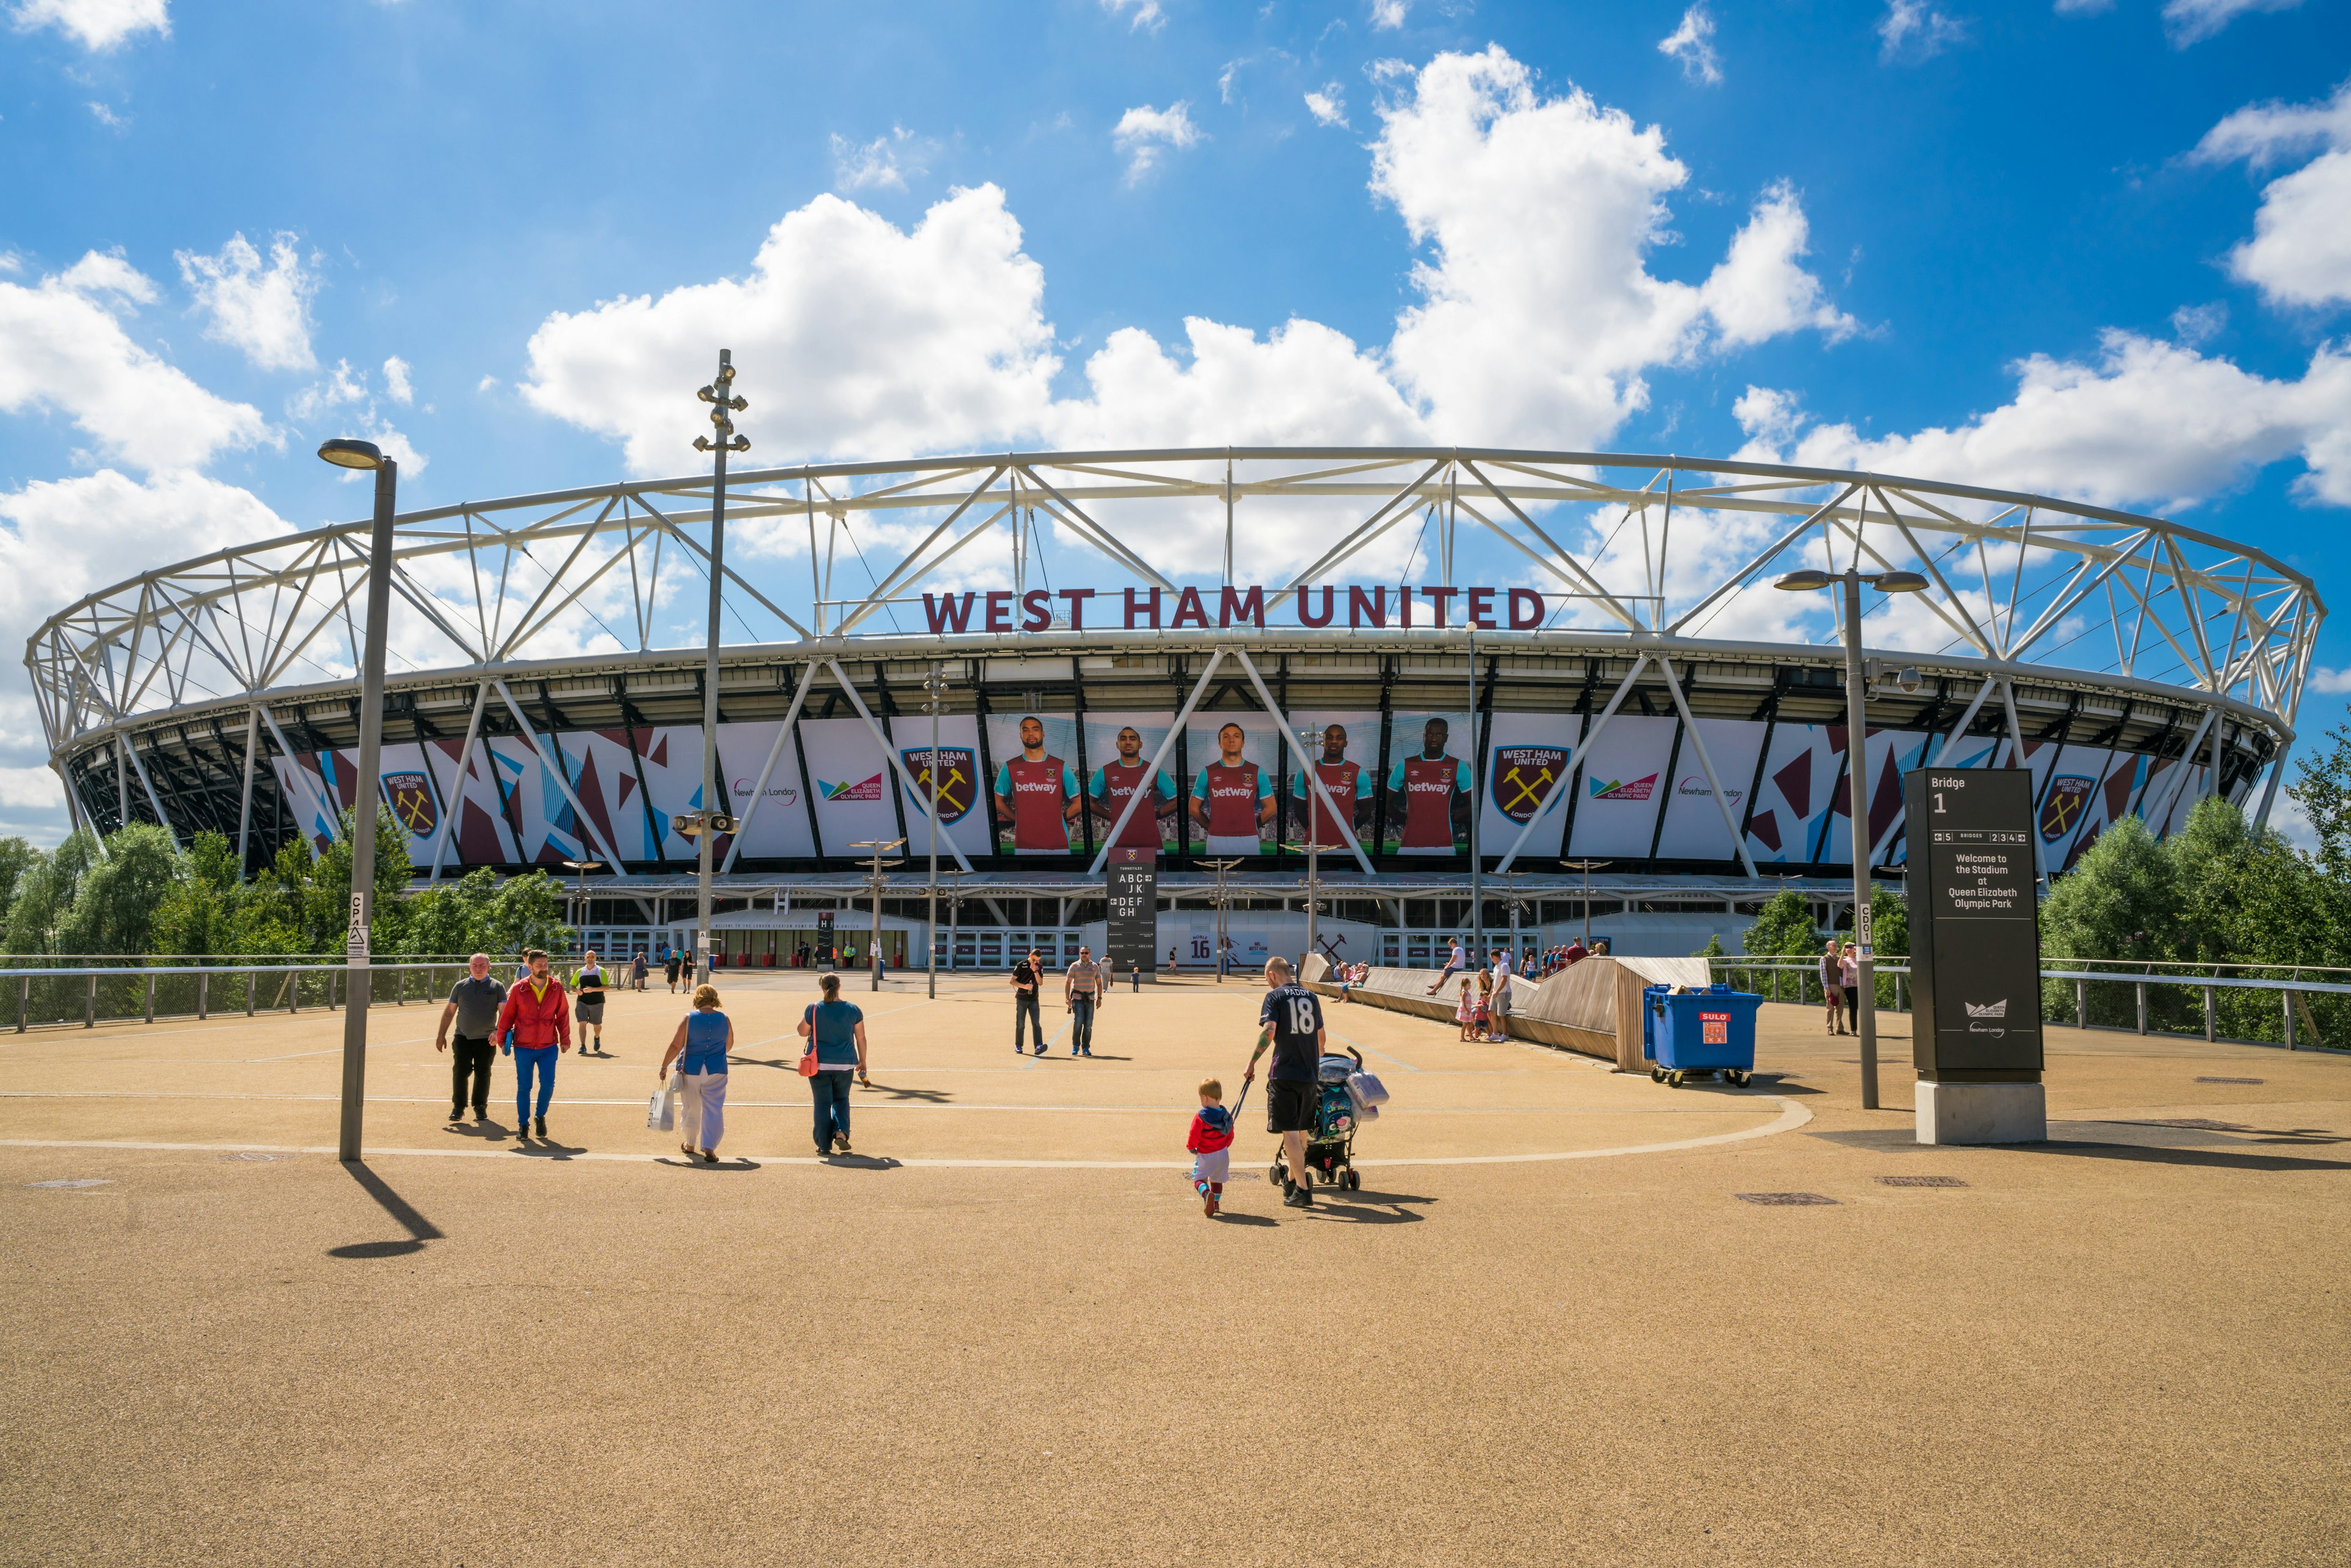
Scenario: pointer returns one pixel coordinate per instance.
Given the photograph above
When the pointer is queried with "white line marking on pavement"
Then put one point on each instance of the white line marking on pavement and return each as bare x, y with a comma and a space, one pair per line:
1791, 1117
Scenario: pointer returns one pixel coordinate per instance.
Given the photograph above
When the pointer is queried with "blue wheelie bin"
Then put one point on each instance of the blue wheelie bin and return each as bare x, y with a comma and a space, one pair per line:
1710, 1031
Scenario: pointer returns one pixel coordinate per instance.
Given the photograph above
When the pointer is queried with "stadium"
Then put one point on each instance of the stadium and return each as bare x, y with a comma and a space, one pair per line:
1474, 672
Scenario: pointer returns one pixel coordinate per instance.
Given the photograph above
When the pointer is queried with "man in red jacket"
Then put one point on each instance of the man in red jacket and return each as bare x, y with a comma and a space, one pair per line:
541, 1020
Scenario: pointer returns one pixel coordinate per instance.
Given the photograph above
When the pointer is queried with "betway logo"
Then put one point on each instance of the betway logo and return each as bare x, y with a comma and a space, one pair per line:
1620, 789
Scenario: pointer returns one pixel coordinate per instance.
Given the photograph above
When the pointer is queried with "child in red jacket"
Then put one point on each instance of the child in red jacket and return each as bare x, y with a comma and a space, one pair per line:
1211, 1144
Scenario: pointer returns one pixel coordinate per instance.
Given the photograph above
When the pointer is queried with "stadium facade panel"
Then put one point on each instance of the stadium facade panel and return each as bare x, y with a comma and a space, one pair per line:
1532, 701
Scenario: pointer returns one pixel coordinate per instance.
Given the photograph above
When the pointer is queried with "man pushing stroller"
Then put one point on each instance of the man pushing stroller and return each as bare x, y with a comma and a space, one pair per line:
1293, 1020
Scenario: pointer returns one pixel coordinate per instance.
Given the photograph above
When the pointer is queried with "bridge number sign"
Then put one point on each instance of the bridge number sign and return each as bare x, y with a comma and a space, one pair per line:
1975, 926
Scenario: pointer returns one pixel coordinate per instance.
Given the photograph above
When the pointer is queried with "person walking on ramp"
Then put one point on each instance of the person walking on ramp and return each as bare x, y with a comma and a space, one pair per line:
1293, 1021
700, 1048
473, 1004
1211, 1143
1024, 1000
540, 1015
835, 1032
1082, 996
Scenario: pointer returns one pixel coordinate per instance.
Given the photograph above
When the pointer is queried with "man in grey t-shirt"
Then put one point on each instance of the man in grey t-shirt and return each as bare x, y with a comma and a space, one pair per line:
473, 1004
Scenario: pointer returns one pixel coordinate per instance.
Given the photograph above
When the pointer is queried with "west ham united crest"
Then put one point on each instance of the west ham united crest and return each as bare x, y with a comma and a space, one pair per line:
410, 796
2062, 811
1522, 776
958, 768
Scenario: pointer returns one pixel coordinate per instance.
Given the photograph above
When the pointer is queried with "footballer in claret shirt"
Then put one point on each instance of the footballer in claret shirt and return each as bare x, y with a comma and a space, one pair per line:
1037, 795
1233, 798
1114, 783
1435, 787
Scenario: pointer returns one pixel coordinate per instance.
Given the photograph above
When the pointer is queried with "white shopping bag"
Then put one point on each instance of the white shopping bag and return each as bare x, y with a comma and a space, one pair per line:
661, 1112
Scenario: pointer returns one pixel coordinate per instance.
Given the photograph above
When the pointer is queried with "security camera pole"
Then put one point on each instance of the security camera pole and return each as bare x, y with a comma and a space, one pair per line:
358, 985
719, 393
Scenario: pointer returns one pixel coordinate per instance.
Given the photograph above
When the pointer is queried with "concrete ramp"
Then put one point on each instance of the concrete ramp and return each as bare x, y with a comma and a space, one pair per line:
1592, 1008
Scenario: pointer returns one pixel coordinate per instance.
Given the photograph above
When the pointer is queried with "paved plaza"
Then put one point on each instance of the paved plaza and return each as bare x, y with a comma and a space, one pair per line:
1554, 1326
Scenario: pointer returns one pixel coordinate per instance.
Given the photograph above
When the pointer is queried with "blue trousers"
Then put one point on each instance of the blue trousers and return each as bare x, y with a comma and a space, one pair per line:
830, 1091
530, 1061
1081, 1024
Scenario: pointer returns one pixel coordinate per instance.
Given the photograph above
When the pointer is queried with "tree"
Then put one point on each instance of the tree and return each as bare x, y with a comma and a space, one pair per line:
528, 911
1783, 928
2324, 793
2121, 901
198, 916
17, 857
114, 909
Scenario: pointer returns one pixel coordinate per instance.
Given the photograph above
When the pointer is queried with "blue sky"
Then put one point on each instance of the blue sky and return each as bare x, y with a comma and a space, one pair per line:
2092, 248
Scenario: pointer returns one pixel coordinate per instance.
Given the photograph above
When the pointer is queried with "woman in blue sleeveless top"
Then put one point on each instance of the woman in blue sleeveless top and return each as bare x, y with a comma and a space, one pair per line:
835, 1032
699, 1047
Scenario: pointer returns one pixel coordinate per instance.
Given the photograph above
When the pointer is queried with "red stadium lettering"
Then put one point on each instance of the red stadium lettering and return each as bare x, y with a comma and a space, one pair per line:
1306, 616
1190, 611
1367, 608
1149, 606
1481, 608
1231, 603
1038, 604
948, 612
1532, 614
999, 612
1077, 598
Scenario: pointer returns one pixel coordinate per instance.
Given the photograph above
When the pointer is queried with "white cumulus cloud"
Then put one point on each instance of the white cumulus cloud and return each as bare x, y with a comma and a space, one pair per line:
1692, 43
1915, 30
95, 24
60, 539
2144, 424
885, 161
1539, 314
1328, 105
853, 336
1143, 133
62, 349
1147, 14
396, 384
1389, 14
2187, 22
262, 311
2299, 253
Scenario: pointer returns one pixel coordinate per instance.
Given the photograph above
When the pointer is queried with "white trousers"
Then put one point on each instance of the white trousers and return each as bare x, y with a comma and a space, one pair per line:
1213, 1165
702, 1110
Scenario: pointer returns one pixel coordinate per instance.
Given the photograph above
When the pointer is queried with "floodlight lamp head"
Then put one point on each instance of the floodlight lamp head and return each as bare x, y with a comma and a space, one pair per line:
725, 368
740, 444
708, 394
1899, 582
702, 444
738, 404
1809, 581
351, 454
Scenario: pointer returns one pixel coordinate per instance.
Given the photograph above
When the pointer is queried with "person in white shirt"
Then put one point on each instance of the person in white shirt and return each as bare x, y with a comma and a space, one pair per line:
1453, 965
1501, 1008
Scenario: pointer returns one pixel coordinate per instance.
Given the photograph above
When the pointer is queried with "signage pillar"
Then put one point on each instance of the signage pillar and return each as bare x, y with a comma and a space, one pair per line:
1975, 961
1132, 936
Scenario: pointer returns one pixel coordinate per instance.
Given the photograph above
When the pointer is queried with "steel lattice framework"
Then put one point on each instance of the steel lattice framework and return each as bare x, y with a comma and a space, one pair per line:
161, 694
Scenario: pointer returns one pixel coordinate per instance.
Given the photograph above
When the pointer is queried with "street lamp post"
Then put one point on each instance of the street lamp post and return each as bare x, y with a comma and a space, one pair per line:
579, 870
874, 882
1587, 868
934, 691
955, 907
1857, 759
357, 990
720, 395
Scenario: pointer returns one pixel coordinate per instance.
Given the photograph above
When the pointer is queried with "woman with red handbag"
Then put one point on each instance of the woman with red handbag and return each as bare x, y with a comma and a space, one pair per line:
700, 1048
835, 1032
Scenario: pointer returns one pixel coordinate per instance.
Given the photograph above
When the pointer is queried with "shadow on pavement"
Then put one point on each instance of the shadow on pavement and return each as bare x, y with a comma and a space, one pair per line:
733, 1163
420, 1229
859, 1161
2153, 1142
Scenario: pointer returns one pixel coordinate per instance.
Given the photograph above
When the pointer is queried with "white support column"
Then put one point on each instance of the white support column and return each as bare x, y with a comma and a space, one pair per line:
2172, 791
326, 807
1959, 730
1345, 820
454, 798
897, 764
1575, 755
555, 765
145, 783
2016, 739
1167, 744
2269, 791
759, 790
245, 797
1689, 727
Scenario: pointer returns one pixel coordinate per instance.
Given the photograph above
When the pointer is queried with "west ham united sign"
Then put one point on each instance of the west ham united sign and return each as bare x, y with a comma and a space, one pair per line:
410, 796
1522, 777
959, 773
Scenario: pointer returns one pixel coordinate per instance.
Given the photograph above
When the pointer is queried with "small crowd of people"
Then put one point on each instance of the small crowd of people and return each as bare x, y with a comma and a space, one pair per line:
533, 1020
1085, 985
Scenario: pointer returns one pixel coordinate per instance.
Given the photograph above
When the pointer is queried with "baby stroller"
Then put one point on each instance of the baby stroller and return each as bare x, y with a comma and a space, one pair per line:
1345, 1097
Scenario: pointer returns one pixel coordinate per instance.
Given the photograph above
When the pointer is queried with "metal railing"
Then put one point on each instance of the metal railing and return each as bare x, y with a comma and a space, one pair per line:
88, 995
2135, 997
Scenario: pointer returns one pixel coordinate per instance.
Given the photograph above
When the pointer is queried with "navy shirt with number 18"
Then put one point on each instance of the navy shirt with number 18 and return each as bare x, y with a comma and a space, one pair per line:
1297, 1019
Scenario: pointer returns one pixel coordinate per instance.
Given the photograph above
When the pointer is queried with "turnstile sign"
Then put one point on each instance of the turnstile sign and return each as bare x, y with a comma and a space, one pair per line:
1975, 924
1133, 936
824, 936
